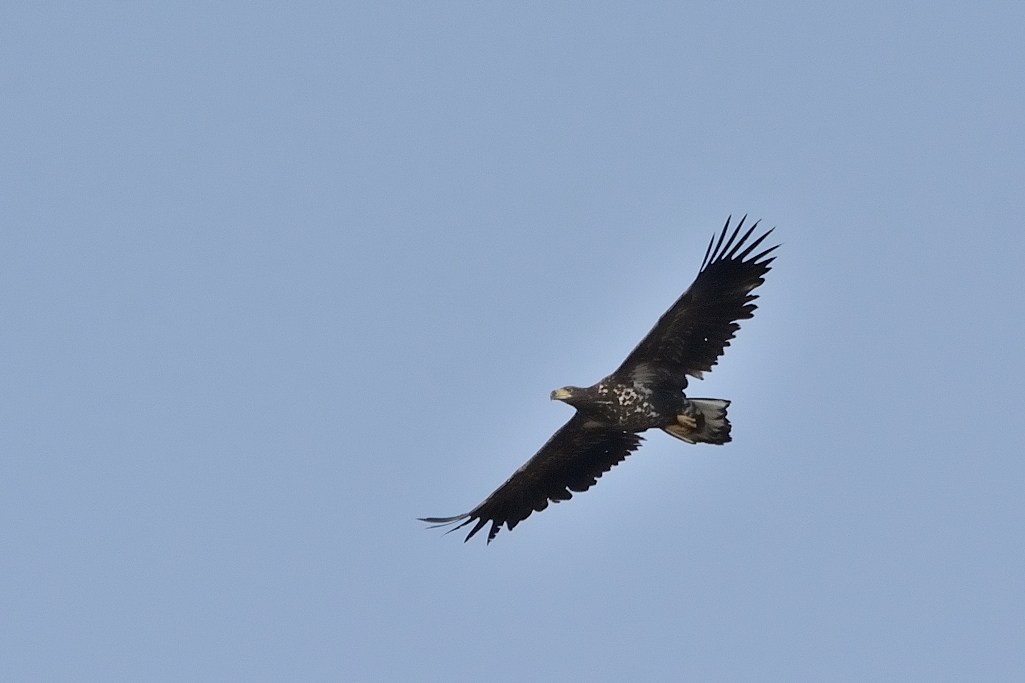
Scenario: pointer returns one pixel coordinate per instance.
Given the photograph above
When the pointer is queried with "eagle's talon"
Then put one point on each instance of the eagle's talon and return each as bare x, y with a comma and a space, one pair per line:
687, 421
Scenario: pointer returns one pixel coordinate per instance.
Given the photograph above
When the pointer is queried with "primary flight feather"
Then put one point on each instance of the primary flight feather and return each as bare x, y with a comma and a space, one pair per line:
645, 392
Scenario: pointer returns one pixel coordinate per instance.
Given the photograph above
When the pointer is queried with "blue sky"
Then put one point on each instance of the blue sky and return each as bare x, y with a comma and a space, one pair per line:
280, 278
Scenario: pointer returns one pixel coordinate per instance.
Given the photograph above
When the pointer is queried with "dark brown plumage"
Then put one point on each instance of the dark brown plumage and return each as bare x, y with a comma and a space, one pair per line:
645, 392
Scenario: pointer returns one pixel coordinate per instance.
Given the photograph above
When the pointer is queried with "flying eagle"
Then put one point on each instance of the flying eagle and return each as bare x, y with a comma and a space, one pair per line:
645, 392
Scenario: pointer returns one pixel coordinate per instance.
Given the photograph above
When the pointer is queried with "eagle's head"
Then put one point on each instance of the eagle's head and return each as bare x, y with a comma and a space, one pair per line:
568, 395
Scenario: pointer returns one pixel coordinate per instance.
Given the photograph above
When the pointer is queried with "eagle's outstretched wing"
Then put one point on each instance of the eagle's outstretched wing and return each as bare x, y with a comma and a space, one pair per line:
572, 461
689, 338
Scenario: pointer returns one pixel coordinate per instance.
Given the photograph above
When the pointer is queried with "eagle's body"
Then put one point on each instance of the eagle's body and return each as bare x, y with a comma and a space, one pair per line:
634, 406
645, 392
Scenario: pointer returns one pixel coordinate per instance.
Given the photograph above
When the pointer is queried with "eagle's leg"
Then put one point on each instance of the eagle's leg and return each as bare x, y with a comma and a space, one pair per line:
690, 420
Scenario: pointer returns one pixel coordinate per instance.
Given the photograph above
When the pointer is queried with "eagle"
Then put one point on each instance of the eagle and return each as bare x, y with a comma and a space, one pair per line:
645, 392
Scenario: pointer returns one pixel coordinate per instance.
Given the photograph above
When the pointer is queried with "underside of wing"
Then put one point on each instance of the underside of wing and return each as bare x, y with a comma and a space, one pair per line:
689, 338
571, 462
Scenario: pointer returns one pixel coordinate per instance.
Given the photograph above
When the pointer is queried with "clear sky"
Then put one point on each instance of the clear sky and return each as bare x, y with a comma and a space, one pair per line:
278, 278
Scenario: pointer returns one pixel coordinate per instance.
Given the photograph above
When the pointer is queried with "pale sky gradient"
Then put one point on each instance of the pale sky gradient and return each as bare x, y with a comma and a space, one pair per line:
279, 278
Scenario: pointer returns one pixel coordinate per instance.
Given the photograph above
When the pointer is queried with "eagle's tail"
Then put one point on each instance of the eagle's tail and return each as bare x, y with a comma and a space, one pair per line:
710, 426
